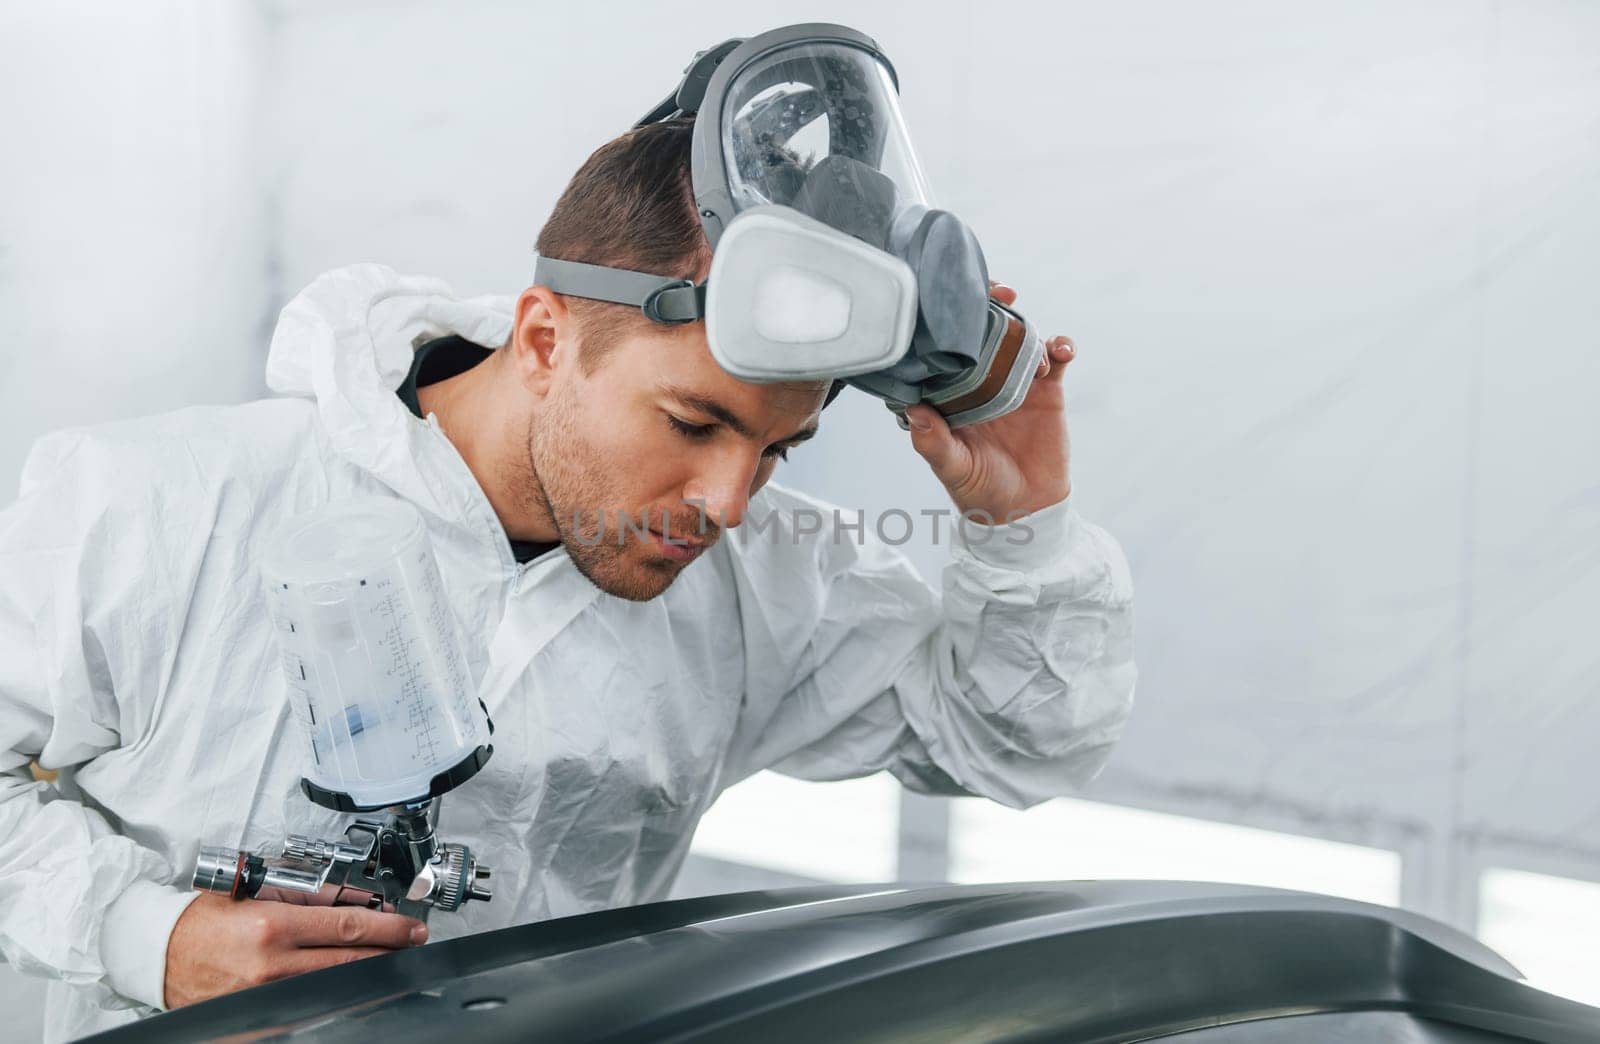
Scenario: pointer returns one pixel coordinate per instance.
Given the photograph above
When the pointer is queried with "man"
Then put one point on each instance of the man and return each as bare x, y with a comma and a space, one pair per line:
629, 682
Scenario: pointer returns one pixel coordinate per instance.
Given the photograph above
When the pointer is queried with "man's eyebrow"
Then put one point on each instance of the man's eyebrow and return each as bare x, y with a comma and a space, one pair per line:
713, 408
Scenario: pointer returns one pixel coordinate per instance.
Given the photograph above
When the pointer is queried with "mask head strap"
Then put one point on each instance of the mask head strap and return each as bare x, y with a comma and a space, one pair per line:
662, 299
686, 98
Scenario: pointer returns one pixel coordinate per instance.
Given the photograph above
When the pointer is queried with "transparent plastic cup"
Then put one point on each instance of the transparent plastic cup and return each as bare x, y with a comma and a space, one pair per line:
377, 677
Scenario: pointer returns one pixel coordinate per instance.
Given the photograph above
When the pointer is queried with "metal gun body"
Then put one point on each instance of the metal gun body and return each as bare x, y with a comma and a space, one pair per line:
395, 862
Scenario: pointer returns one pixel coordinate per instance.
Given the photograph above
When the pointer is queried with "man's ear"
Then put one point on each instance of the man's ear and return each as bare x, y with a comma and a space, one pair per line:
541, 336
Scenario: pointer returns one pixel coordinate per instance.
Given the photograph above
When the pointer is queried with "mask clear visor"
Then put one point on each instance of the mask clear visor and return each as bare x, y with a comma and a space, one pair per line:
818, 111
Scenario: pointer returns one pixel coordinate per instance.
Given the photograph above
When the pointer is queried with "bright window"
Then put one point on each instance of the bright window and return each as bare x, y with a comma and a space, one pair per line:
1549, 927
842, 831
1068, 840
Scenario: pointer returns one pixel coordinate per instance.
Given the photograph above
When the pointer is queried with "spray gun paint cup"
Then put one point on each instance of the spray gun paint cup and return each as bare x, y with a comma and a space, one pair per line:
376, 674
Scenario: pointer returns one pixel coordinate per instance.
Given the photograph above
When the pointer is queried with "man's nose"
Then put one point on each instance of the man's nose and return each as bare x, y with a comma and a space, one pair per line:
722, 489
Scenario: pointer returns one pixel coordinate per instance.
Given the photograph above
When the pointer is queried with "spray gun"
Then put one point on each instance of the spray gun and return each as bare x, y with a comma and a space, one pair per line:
380, 688
391, 862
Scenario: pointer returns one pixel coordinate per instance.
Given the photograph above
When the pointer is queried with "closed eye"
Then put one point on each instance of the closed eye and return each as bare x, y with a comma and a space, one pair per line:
701, 432
696, 432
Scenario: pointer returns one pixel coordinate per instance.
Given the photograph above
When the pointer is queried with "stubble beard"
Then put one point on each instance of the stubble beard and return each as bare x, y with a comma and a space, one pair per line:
565, 481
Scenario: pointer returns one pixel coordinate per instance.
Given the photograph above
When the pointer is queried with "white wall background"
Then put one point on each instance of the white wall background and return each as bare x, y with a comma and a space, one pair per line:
1332, 271
132, 246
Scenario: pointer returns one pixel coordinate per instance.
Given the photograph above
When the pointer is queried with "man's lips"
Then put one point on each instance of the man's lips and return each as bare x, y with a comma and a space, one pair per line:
690, 543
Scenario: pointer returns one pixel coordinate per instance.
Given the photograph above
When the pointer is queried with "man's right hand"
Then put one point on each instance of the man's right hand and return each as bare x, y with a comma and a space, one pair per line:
220, 945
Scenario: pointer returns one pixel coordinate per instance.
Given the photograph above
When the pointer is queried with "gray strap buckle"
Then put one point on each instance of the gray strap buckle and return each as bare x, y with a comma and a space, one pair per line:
674, 304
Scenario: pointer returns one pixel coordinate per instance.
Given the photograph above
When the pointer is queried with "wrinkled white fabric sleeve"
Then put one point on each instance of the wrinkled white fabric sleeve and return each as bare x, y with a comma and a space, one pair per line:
1013, 685
78, 901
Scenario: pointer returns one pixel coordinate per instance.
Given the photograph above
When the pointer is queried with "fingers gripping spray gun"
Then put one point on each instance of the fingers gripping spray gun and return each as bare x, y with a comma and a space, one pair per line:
381, 690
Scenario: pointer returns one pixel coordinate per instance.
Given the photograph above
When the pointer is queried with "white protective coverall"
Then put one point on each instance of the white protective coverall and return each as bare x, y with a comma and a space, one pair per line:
136, 657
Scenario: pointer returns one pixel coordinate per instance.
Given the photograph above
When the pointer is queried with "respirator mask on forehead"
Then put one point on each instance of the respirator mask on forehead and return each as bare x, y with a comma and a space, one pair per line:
829, 259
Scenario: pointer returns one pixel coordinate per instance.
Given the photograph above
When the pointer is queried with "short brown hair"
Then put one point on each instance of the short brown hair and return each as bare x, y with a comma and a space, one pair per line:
631, 205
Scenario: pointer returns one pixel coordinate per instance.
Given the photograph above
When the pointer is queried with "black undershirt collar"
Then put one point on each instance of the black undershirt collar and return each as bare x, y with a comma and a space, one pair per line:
438, 360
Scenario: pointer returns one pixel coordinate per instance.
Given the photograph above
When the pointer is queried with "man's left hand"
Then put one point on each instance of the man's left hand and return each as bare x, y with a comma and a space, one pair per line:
1012, 465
